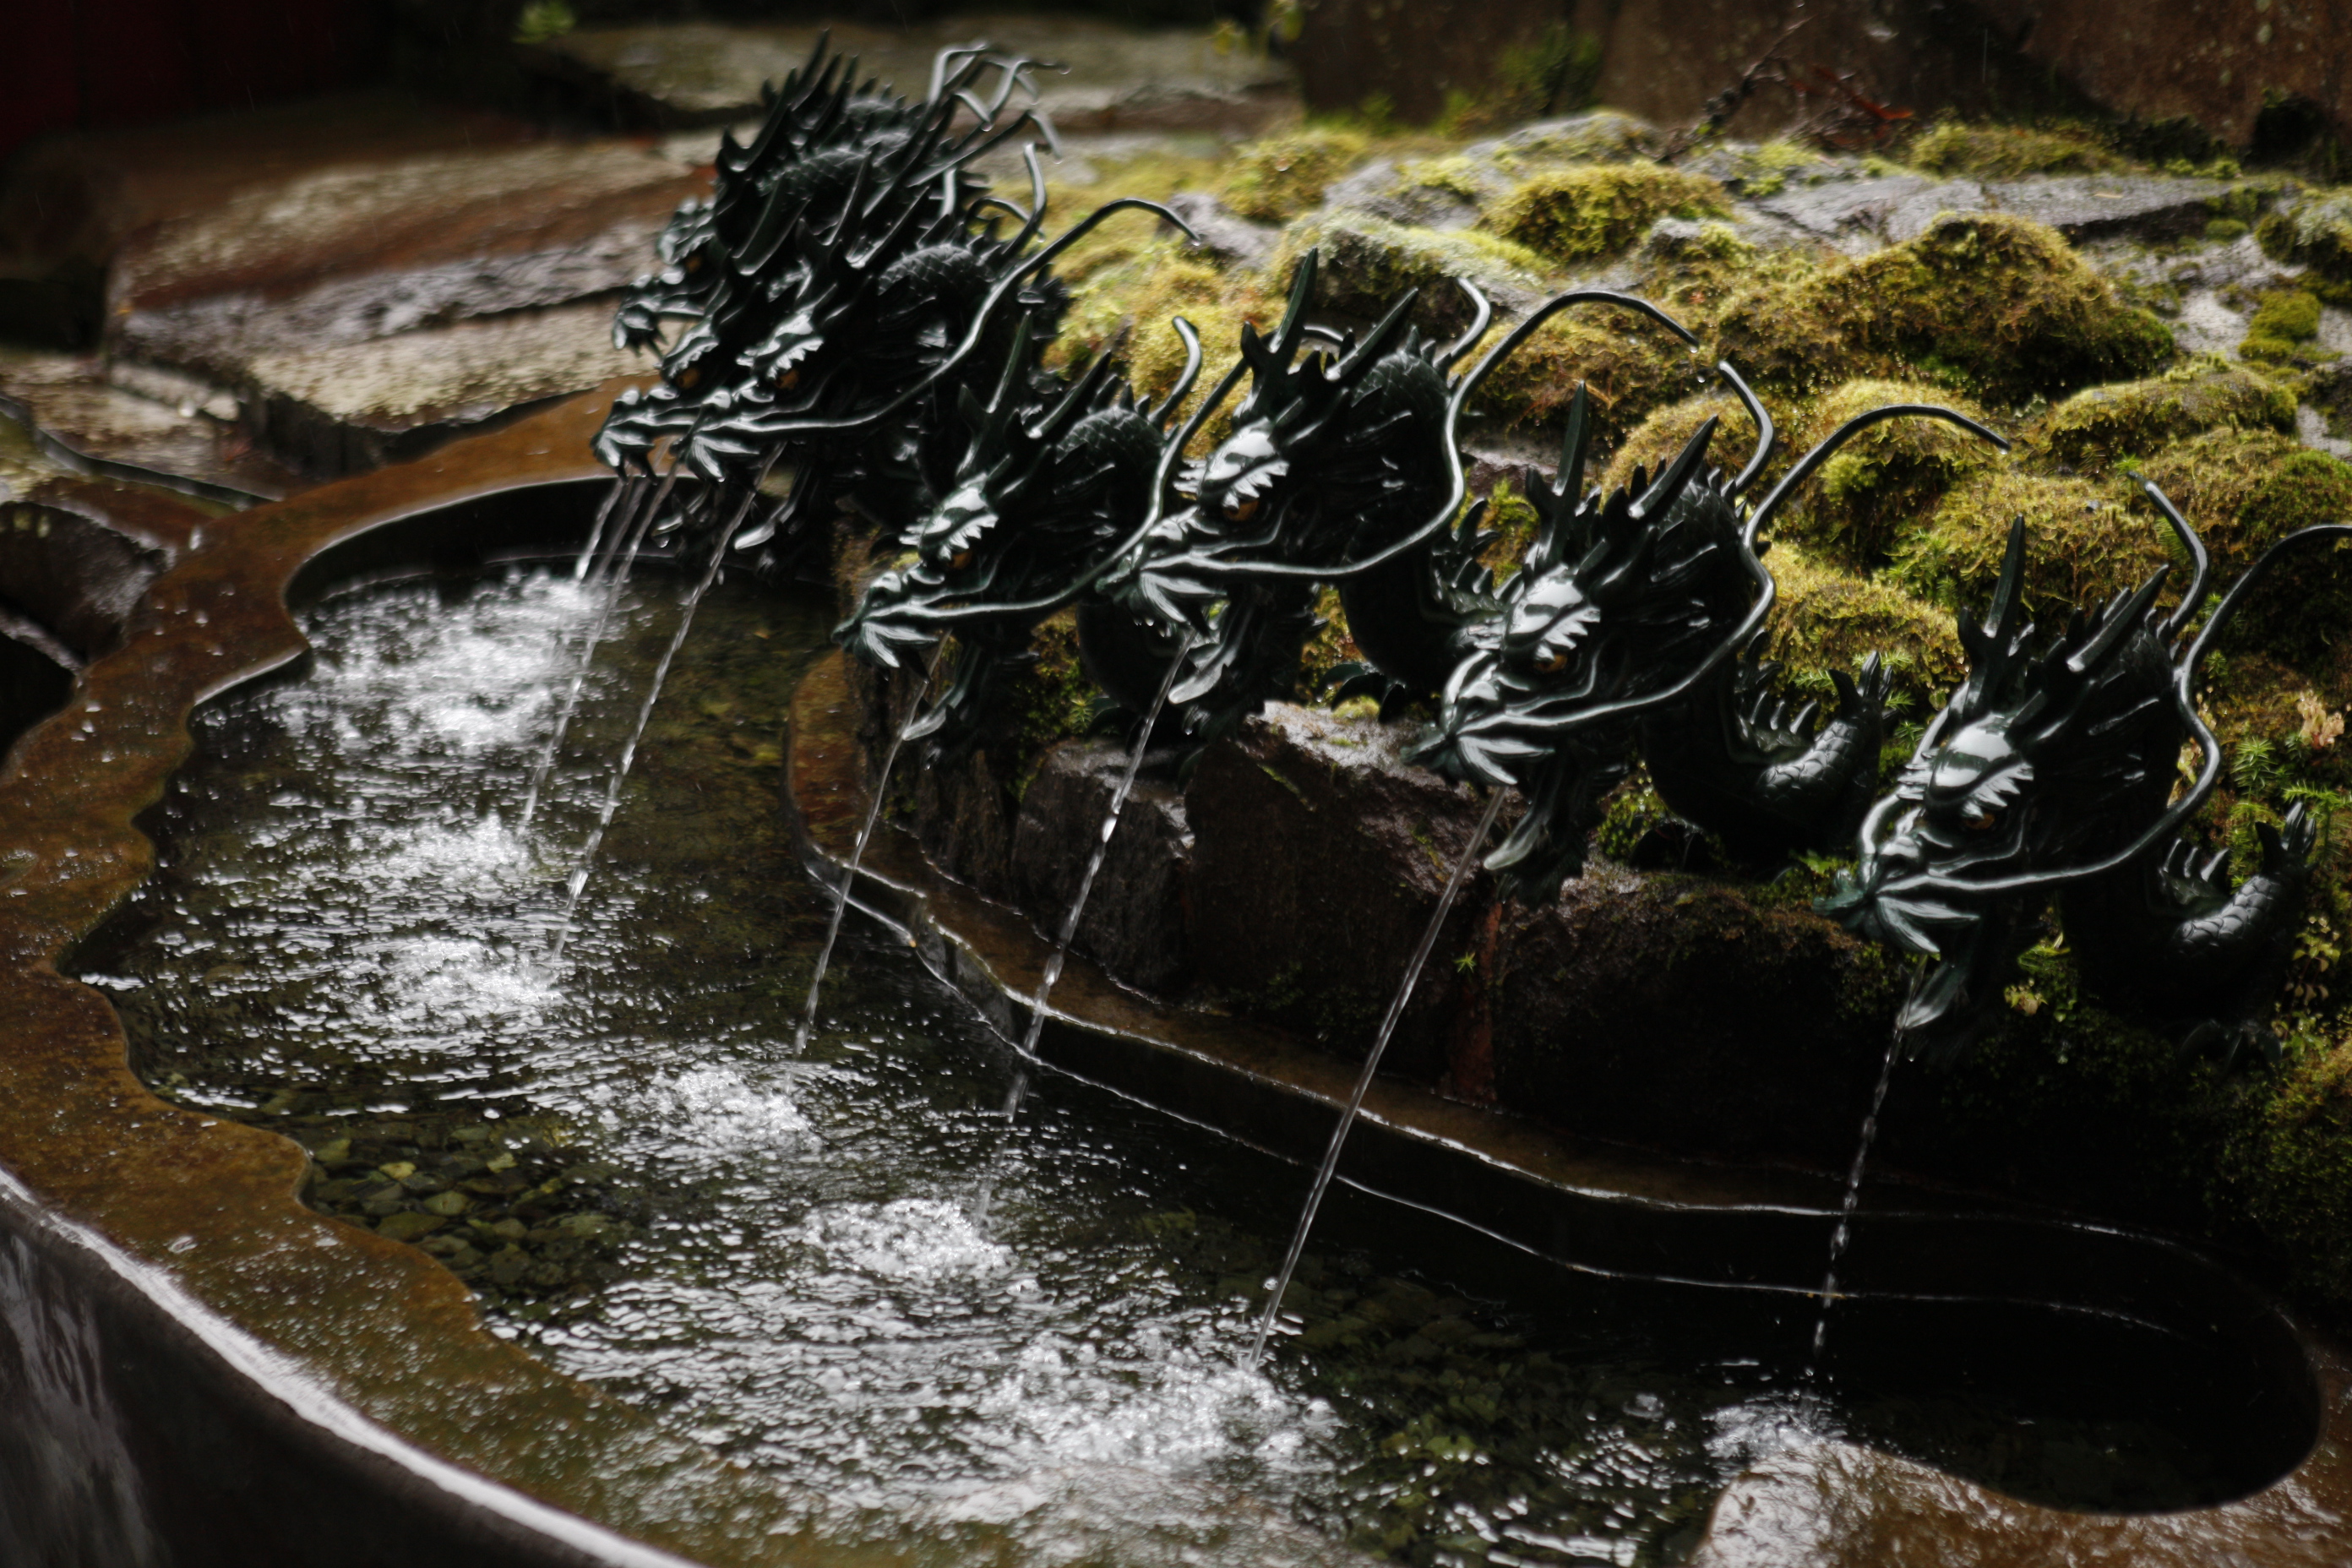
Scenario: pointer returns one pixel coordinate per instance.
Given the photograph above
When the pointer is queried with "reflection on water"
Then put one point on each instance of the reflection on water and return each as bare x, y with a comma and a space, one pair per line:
842, 1264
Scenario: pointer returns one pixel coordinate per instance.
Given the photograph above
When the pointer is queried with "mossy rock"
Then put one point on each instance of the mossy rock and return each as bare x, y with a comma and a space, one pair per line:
1883, 483
1632, 366
2294, 1170
2315, 232
1276, 179
1131, 303
2243, 490
1693, 270
1653, 443
1601, 136
2083, 543
1367, 262
1827, 620
2139, 418
2011, 151
1998, 306
2281, 328
1575, 216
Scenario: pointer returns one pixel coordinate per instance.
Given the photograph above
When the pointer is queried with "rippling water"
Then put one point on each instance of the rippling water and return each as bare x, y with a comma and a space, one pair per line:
844, 1265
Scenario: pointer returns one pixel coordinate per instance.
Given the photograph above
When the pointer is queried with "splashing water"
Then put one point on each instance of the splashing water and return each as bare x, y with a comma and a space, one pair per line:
1280, 1283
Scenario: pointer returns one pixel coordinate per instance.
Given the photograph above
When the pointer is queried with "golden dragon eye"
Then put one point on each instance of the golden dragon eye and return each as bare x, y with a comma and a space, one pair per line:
1551, 661
1239, 509
961, 560
787, 380
689, 376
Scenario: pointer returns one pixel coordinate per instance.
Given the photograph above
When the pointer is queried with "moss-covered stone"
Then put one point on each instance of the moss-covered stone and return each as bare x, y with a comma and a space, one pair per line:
2245, 489
2137, 418
2283, 325
1883, 484
2011, 152
1653, 443
1132, 301
2084, 543
1574, 215
1827, 620
1632, 366
2315, 232
2294, 1169
1998, 306
1367, 262
1280, 177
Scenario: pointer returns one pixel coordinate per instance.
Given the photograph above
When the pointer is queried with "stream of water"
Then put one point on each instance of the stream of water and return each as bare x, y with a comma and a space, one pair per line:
783, 1248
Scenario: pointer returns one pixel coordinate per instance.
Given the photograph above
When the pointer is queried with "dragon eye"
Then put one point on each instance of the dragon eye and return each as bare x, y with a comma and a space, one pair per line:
689, 376
961, 560
1976, 818
693, 262
789, 379
1551, 661
1239, 509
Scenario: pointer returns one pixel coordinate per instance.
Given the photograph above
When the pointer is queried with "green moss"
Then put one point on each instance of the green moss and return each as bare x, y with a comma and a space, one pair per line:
2083, 542
1632, 810
2315, 232
1653, 443
1996, 306
1367, 262
2011, 152
2223, 230
1579, 215
1131, 301
2282, 324
2245, 489
1766, 170
1883, 482
1632, 366
2294, 1170
1276, 179
2138, 418
1827, 620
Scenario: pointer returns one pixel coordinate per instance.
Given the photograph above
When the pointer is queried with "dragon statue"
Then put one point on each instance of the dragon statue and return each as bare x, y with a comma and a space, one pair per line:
1619, 637
1056, 476
845, 288
2051, 774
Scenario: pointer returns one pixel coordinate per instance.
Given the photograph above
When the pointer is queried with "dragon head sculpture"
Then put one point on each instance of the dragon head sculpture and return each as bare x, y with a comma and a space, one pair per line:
2052, 771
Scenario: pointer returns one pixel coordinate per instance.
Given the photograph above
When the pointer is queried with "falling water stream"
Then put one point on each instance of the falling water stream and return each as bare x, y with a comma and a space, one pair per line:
1280, 1283
650, 1178
1844, 1234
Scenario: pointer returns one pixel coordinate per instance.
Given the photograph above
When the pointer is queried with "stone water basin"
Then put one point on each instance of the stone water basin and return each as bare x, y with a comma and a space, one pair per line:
352, 1391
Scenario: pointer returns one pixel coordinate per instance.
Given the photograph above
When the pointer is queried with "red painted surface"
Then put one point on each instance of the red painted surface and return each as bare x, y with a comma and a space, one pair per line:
84, 64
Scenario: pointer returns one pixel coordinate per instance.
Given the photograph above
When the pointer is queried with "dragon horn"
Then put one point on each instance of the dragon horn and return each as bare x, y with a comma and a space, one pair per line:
1677, 474
1078, 400
1191, 340
1767, 437
1481, 314
1294, 313
2119, 623
2200, 562
1375, 342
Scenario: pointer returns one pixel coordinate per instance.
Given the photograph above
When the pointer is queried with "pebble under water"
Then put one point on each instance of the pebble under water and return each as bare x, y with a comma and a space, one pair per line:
843, 1265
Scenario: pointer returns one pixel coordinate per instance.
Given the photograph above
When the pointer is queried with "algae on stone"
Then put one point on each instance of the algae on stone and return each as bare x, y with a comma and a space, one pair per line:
2245, 489
2083, 543
2282, 323
1827, 620
2137, 418
2315, 232
2011, 151
1275, 179
1575, 216
1367, 262
1998, 306
1886, 481
1632, 366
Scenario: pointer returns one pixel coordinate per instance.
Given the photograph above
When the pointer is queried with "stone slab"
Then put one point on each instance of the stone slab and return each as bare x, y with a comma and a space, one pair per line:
75, 197
346, 255
142, 417
1134, 919
692, 73
2104, 207
1224, 234
1890, 208
346, 407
